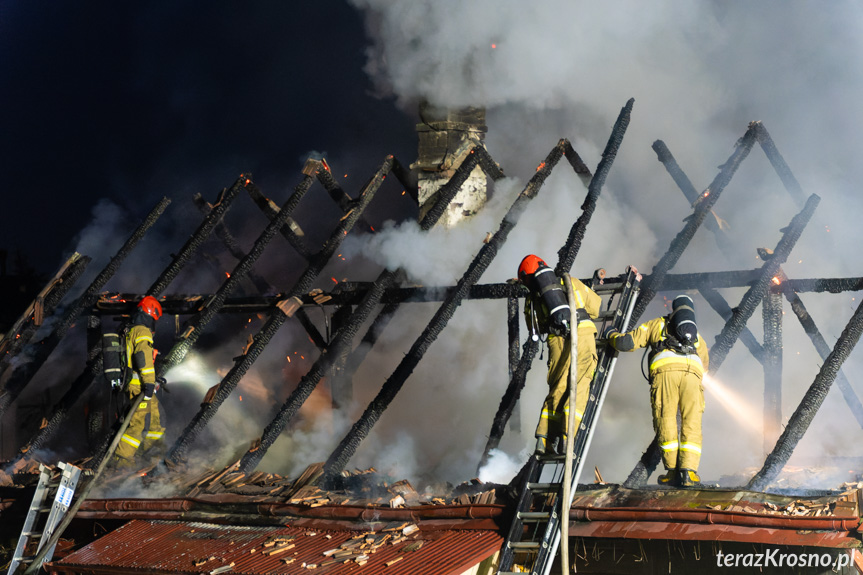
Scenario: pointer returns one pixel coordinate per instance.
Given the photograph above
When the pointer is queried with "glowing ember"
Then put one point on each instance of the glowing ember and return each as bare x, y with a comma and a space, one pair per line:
227, 274
335, 280
776, 280
241, 398
541, 166
493, 46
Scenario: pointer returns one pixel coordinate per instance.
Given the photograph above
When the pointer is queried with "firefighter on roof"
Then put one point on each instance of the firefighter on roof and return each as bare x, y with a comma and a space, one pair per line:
547, 312
678, 361
140, 355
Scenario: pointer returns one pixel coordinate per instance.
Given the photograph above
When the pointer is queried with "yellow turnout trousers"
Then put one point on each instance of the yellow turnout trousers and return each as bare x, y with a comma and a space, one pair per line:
555, 409
670, 392
139, 434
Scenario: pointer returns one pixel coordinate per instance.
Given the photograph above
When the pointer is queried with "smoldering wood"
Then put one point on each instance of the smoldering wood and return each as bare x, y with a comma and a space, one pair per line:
234, 247
351, 293
408, 178
347, 447
344, 338
194, 326
43, 349
755, 293
771, 311
341, 390
199, 236
566, 254
809, 405
291, 231
276, 319
513, 338
702, 208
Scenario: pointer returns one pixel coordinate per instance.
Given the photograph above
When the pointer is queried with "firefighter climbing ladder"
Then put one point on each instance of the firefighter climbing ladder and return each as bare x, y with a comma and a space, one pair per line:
35, 528
534, 536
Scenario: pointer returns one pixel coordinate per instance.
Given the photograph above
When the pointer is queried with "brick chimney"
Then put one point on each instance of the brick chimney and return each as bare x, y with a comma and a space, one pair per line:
446, 137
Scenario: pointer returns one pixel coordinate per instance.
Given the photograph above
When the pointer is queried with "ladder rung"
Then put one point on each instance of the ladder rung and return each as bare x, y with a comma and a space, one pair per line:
533, 515
26, 559
32, 534
523, 545
40, 509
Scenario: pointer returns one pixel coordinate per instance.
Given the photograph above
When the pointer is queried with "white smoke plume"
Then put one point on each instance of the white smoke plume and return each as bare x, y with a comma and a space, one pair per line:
699, 74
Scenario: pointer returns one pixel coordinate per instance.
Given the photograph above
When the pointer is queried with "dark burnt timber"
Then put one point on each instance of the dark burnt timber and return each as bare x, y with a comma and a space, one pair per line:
196, 324
407, 178
713, 297
778, 162
346, 448
732, 328
42, 349
223, 202
234, 248
341, 344
664, 155
771, 312
821, 346
512, 333
721, 307
754, 294
43, 305
566, 254
291, 231
812, 400
509, 400
276, 319
351, 293
703, 207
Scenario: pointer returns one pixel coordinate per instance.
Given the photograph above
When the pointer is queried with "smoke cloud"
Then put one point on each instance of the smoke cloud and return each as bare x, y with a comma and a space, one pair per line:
699, 74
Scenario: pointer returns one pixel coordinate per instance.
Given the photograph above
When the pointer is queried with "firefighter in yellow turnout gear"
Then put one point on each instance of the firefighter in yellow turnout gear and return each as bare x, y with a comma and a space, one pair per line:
140, 354
547, 315
678, 361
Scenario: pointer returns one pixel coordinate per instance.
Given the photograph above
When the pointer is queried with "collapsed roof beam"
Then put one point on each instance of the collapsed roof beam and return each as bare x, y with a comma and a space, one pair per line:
344, 337
277, 318
732, 328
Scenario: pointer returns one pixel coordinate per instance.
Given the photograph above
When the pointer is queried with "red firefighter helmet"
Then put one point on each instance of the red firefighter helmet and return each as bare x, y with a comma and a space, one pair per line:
151, 306
529, 265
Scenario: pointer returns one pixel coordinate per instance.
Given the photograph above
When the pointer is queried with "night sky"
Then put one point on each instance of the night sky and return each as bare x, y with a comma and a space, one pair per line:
130, 102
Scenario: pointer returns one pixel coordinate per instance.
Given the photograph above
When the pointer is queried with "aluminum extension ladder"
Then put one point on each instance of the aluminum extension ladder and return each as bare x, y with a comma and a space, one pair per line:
534, 536
35, 527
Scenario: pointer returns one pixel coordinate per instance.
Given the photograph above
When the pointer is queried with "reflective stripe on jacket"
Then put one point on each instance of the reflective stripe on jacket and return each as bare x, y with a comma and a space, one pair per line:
653, 333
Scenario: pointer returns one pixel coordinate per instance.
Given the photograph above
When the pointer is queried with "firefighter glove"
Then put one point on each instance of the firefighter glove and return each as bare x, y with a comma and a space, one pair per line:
149, 390
609, 331
559, 328
161, 382
116, 383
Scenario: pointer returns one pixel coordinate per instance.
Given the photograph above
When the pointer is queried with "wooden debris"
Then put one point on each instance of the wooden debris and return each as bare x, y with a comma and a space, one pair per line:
414, 545
200, 562
394, 561
222, 569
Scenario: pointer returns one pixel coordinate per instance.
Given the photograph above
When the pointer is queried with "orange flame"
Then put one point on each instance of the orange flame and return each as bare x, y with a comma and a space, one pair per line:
541, 166
776, 280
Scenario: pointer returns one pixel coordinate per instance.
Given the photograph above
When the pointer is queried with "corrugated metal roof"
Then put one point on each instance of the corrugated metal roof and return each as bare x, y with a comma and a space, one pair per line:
174, 547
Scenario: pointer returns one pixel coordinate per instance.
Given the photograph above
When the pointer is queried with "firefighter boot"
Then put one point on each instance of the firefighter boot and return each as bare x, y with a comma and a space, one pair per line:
689, 478
540, 446
669, 479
